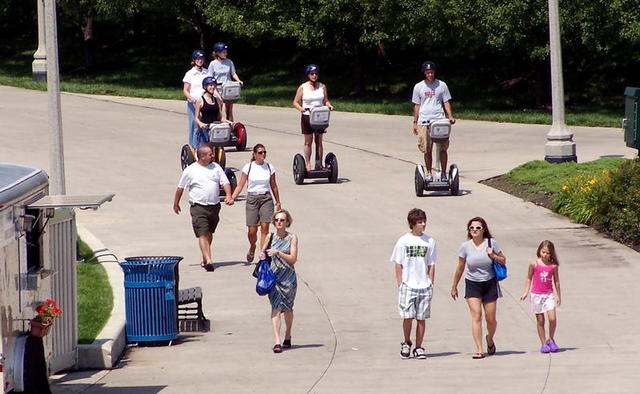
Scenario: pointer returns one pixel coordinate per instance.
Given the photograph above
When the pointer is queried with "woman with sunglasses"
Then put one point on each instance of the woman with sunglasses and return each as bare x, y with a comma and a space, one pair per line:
311, 94
262, 189
481, 287
284, 254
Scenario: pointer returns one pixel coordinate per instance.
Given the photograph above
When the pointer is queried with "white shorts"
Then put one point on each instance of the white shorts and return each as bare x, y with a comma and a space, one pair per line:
414, 303
541, 303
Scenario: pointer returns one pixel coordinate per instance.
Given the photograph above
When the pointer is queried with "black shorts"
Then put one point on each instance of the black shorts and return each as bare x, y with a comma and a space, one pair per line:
306, 128
487, 291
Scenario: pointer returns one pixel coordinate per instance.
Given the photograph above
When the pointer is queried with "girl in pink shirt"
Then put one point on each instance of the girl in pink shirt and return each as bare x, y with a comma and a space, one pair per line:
542, 276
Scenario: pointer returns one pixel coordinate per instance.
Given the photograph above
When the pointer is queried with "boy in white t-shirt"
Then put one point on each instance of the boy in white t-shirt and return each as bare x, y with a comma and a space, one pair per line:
414, 256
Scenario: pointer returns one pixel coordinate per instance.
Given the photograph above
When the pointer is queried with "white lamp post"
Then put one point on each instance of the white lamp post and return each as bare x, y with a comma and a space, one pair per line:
39, 64
56, 146
560, 146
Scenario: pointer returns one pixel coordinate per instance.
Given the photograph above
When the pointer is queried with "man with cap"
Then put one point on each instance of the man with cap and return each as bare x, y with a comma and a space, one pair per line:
431, 101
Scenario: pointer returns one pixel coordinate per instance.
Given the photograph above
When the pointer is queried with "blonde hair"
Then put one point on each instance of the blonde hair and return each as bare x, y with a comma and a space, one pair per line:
286, 213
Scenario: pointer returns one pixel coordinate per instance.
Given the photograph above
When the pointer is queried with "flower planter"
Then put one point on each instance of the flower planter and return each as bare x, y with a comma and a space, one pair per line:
39, 329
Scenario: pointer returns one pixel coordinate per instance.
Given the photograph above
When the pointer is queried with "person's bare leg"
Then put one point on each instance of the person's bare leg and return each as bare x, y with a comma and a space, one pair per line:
264, 234
318, 141
475, 308
540, 328
288, 321
420, 329
275, 325
490, 316
204, 241
406, 329
308, 141
443, 161
552, 324
428, 161
229, 109
252, 235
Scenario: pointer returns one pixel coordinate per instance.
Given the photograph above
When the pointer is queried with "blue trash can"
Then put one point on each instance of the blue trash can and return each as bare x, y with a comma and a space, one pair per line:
150, 300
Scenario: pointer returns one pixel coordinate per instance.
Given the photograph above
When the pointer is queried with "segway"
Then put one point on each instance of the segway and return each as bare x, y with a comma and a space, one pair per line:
219, 136
439, 131
319, 120
230, 92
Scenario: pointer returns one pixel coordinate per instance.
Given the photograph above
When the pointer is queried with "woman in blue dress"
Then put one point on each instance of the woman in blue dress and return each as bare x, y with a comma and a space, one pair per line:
284, 254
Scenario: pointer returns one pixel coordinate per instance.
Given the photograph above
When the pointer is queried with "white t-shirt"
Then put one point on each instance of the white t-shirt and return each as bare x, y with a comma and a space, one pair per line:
203, 183
259, 178
415, 254
222, 70
430, 97
195, 77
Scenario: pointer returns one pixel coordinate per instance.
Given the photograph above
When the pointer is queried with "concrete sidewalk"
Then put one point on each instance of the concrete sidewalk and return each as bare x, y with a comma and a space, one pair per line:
347, 331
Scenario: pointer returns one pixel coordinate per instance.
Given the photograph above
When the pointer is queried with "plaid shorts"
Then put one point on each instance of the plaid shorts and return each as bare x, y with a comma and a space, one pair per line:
414, 303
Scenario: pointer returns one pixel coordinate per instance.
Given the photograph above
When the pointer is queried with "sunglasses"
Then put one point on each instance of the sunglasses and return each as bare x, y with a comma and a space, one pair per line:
277, 220
262, 152
472, 228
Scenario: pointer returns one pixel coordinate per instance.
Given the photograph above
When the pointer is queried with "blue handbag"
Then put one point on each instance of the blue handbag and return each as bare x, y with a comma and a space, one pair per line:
266, 278
499, 269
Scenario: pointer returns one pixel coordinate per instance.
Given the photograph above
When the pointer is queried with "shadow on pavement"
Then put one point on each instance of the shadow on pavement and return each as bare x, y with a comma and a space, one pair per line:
310, 345
442, 354
99, 388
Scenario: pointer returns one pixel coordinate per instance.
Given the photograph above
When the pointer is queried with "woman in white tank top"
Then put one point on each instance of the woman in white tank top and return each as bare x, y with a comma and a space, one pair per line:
311, 94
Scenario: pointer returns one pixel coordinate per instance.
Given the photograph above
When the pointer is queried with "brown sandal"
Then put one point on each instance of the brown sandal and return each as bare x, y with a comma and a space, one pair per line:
251, 254
277, 348
477, 356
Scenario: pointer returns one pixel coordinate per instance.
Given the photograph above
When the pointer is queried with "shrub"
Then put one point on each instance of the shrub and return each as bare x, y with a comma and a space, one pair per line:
608, 200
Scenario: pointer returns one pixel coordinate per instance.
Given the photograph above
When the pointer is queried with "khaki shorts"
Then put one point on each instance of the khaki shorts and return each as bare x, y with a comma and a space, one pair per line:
259, 208
424, 141
204, 218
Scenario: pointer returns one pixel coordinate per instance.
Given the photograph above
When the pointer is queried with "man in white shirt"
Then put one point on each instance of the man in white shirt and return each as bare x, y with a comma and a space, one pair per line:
430, 101
203, 179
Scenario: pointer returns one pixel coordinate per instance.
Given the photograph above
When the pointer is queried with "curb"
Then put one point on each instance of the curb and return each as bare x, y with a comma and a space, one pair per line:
110, 342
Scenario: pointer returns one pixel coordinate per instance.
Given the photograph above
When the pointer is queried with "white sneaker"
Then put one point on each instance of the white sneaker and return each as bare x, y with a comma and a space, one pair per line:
419, 353
428, 177
405, 350
443, 177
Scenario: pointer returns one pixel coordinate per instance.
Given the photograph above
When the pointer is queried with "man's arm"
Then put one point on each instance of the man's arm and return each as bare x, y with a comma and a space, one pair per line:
416, 112
176, 200
447, 109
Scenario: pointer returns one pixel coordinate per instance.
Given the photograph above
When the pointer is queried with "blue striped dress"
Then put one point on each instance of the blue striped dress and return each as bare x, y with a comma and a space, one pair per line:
284, 293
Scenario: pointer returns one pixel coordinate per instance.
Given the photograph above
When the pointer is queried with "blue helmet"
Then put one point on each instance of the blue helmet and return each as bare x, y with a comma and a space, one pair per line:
197, 53
208, 81
219, 46
311, 68
428, 65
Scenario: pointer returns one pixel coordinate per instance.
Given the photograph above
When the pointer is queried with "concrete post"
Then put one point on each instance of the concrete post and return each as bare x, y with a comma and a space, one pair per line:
39, 65
560, 146
56, 145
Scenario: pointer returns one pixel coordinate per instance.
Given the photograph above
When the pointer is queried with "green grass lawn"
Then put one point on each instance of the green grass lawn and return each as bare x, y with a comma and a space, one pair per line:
95, 297
270, 90
541, 176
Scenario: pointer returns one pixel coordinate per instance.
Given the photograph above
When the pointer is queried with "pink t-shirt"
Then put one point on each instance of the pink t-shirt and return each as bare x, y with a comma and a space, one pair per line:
542, 280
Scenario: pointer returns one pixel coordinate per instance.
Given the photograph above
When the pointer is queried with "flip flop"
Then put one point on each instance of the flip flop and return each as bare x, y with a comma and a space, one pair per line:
477, 356
277, 348
286, 344
209, 267
491, 350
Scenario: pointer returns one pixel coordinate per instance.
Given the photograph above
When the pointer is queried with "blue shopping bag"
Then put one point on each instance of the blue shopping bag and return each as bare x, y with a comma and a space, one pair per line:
266, 278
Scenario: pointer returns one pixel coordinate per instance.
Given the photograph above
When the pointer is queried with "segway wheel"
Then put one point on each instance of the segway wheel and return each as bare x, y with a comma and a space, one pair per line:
186, 156
331, 162
233, 182
419, 183
219, 156
454, 177
299, 169
241, 135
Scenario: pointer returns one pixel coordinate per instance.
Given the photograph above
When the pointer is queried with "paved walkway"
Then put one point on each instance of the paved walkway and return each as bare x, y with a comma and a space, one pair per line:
347, 331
